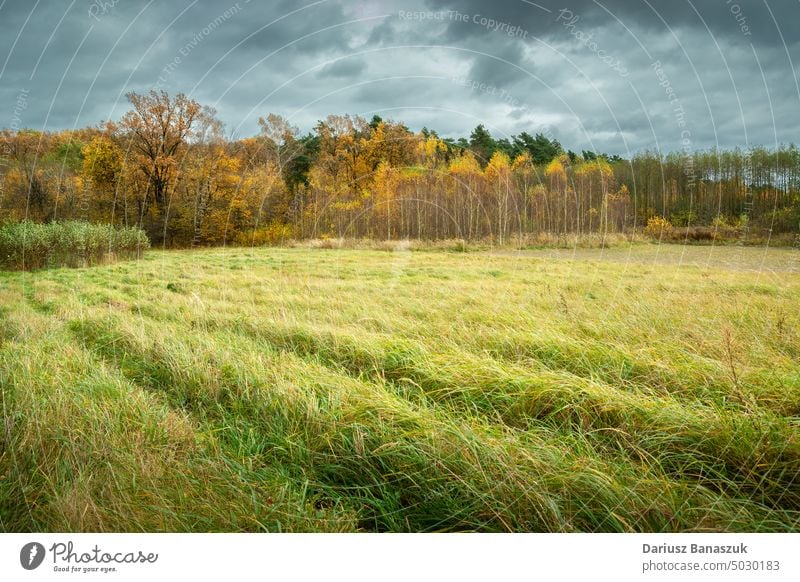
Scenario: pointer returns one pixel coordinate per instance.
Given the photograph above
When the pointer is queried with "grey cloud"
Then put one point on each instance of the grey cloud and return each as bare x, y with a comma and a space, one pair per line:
342, 68
336, 56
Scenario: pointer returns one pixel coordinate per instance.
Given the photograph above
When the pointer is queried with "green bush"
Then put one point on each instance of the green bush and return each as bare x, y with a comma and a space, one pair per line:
28, 245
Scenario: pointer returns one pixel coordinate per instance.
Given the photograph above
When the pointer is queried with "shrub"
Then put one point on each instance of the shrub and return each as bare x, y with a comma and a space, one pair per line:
658, 227
683, 218
28, 245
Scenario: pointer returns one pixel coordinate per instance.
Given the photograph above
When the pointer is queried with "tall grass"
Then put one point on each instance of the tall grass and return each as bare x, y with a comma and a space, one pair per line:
28, 245
303, 390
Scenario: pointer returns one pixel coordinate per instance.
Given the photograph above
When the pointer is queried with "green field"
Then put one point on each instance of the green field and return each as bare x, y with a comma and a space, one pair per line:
644, 388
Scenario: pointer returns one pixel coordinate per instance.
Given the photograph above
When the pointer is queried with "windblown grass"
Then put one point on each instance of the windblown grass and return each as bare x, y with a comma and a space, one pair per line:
28, 245
302, 390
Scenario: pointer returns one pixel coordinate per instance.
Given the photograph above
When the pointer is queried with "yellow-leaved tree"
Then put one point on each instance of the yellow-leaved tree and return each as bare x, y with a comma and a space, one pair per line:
498, 176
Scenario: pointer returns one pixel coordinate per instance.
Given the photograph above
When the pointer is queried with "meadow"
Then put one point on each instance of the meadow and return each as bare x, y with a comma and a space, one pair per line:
639, 388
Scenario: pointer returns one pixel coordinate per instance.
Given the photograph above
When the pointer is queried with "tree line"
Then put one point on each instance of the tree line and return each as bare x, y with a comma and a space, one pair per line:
167, 167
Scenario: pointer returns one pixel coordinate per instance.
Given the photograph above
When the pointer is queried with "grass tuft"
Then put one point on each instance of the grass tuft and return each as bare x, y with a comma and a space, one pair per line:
27, 245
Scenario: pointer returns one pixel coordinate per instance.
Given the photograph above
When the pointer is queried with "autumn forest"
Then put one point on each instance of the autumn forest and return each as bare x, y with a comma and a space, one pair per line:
168, 167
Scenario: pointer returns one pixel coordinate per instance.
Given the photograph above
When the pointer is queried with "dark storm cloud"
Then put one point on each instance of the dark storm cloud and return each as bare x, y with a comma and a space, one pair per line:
615, 76
759, 20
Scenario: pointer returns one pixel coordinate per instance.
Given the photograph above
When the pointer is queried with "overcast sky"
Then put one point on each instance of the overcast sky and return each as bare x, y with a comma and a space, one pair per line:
613, 76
